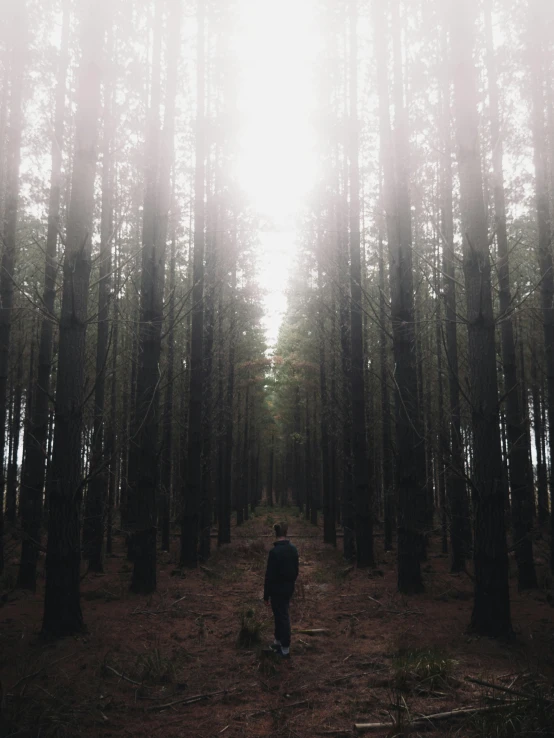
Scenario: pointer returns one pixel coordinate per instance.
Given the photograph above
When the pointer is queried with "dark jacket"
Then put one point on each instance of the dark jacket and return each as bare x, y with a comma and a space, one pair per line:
281, 571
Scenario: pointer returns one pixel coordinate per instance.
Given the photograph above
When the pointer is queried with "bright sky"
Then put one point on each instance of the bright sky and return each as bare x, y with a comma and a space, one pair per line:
277, 49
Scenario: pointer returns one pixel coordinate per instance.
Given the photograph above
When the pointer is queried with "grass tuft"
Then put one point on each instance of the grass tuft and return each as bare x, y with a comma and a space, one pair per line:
152, 666
250, 633
422, 667
518, 718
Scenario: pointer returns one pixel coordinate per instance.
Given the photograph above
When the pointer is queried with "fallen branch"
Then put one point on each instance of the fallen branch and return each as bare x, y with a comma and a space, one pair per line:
159, 612
27, 677
369, 597
122, 676
190, 700
362, 727
348, 676
311, 631
274, 709
508, 690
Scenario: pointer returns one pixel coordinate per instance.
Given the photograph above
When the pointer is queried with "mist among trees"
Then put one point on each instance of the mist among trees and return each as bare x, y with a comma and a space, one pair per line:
404, 417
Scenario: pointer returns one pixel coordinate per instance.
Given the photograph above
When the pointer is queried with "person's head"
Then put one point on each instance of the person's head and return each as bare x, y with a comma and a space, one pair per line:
281, 530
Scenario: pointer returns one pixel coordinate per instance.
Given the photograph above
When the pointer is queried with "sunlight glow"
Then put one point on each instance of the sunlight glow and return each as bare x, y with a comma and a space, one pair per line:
277, 48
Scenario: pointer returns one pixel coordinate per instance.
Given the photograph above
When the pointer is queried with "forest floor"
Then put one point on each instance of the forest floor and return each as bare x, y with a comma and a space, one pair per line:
169, 665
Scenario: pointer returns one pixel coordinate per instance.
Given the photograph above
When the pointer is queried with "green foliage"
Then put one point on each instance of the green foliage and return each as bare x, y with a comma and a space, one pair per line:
154, 667
8, 581
520, 719
422, 667
250, 633
528, 714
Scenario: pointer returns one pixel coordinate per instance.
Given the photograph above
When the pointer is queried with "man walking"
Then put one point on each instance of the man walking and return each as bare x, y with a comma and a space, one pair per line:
280, 576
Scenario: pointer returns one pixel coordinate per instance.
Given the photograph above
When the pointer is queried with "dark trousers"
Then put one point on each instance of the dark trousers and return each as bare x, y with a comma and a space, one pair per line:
280, 607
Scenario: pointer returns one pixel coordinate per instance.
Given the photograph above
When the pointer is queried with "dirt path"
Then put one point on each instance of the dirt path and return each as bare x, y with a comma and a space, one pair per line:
143, 662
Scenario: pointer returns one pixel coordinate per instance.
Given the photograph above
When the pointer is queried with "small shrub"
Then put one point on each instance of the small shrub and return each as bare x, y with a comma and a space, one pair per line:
153, 666
426, 667
8, 581
232, 574
201, 627
250, 633
268, 664
523, 719
257, 548
322, 576
517, 717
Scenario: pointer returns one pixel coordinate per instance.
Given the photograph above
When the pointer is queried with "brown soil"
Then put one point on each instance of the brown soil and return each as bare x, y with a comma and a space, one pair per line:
182, 642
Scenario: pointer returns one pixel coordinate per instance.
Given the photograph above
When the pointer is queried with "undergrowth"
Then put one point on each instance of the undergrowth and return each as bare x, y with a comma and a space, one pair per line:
250, 633
517, 716
155, 667
429, 668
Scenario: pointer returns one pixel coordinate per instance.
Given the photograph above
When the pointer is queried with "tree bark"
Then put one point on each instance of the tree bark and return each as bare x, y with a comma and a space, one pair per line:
62, 608
360, 463
538, 432
491, 609
386, 434
410, 447
224, 530
207, 389
329, 529
167, 443
15, 429
536, 51
145, 450
522, 517
17, 22
456, 492
193, 486
93, 528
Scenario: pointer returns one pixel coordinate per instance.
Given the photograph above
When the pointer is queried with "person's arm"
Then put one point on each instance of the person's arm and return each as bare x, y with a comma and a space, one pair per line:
269, 574
295, 563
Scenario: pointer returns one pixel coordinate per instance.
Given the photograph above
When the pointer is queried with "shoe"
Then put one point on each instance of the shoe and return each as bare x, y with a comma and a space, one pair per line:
275, 647
283, 655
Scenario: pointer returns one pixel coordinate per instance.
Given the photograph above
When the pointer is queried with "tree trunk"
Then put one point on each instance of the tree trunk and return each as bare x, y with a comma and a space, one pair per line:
538, 432
224, 531
360, 465
536, 49
348, 510
491, 610
442, 444
244, 477
112, 453
62, 608
522, 518
386, 434
143, 443
16, 17
93, 528
271, 471
329, 529
456, 493
237, 465
410, 448
207, 389
15, 429
145, 452
193, 485
167, 443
